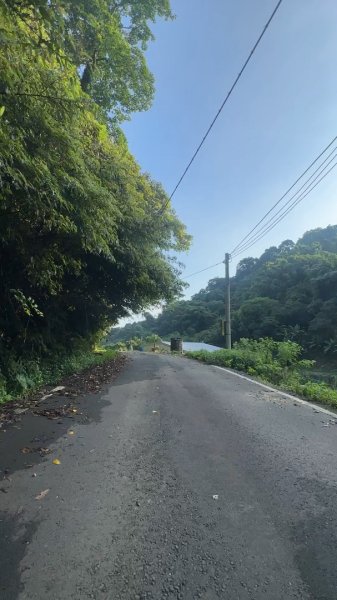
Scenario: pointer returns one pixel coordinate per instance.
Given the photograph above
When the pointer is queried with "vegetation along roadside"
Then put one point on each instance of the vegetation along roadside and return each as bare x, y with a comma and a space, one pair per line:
277, 363
31, 376
85, 235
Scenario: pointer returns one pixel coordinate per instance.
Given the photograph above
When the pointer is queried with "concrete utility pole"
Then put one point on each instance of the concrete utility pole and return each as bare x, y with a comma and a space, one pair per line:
228, 335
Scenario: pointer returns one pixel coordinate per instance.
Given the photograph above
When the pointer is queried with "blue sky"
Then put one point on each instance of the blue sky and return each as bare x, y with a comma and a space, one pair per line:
280, 116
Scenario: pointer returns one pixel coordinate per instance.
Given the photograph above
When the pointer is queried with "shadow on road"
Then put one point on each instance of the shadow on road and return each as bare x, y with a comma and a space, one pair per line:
15, 536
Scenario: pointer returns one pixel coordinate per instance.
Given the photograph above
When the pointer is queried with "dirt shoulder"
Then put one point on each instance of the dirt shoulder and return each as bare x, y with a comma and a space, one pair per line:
29, 426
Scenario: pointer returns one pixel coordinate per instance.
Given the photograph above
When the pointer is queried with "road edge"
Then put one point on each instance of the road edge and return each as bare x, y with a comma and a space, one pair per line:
276, 391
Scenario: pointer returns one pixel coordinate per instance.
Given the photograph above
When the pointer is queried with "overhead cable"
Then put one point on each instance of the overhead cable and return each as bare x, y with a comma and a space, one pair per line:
304, 194
202, 270
249, 237
229, 93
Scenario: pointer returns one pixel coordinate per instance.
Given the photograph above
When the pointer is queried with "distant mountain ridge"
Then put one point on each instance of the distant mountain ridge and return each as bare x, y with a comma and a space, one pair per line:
290, 292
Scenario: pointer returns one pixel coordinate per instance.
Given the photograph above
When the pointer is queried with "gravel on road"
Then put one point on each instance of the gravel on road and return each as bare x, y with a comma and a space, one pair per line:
183, 482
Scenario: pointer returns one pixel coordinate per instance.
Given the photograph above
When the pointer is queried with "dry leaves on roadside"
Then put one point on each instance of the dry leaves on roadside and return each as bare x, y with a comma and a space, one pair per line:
42, 495
56, 413
56, 461
78, 384
42, 451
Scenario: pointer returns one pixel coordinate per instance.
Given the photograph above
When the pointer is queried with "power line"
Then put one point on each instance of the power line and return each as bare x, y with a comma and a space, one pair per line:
249, 237
202, 270
284, 195
286, 212
272, 220
321, 173
229, 93
298, 197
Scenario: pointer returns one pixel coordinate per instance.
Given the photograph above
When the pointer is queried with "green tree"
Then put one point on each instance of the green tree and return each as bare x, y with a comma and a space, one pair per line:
83, 237
103, 39
258, 318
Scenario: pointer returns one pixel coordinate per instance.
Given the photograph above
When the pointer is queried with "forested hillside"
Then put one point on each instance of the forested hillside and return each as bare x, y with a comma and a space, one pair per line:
290, 292
84, 234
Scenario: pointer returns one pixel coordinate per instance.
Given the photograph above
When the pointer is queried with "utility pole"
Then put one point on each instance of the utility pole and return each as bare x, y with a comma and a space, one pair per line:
228, 334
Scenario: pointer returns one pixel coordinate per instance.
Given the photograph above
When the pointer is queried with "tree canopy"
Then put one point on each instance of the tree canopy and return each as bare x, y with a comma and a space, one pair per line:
102, 40
85, 236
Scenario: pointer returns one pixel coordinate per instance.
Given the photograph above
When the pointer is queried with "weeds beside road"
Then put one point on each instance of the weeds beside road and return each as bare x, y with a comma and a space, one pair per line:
276, 363
22, 378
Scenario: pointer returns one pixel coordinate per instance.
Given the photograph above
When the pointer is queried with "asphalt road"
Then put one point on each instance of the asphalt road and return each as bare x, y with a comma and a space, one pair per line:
188, 483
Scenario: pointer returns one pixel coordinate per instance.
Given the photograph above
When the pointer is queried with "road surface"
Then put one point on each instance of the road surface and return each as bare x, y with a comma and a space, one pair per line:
188, 483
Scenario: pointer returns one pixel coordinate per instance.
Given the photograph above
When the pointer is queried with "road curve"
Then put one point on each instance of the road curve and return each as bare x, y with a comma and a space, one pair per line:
192, 483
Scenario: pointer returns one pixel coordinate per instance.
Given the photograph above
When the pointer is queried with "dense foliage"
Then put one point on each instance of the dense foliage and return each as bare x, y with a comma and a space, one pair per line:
273, 362
84, 236
289, 293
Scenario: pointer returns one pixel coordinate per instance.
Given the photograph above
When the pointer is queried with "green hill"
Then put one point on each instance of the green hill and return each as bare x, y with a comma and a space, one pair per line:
290, 292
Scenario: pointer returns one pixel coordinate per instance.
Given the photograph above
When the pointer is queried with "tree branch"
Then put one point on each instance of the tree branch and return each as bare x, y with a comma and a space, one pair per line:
43, 96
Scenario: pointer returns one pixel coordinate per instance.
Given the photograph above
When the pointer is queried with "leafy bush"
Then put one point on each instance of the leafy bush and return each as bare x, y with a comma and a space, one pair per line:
120, 347
265, 358
319, 392
273, 362
136, 343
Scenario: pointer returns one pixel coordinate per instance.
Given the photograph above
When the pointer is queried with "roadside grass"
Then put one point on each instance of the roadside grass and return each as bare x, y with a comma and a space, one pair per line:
276, 363
323, 375
24, 377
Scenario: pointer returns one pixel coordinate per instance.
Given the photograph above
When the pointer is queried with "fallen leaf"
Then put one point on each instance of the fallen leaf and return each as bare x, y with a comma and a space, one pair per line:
42, 495
45, 397
20, 411
53, 413
56, 461
26, 450
71, 432
74, 410
58, 388
44, 451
